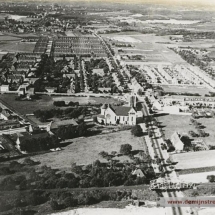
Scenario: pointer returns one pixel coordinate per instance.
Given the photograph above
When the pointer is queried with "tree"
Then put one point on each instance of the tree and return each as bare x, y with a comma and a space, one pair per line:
150, 133
82, 129
125, 149
140, 92
70, 202
211, 178
95, 119
137, 131
54, 205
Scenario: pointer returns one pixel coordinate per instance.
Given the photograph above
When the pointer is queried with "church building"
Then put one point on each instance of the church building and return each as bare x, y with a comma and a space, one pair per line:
114, 115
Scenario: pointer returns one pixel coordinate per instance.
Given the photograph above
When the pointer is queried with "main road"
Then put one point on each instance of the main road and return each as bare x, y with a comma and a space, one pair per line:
156, 143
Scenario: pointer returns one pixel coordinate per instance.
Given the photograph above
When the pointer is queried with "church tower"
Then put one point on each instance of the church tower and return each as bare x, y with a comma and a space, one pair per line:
133, 100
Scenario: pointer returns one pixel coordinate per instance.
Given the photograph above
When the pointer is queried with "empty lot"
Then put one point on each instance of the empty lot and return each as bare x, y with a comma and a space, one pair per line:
200, 177
194, 159
185, 89
172, 123
86, 150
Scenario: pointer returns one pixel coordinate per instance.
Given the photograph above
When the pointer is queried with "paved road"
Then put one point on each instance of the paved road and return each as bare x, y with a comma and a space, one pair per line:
156, 142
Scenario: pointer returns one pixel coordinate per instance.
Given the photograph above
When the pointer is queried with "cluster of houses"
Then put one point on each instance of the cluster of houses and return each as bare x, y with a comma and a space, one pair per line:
19, 74
41, 45
84, 45
176, 104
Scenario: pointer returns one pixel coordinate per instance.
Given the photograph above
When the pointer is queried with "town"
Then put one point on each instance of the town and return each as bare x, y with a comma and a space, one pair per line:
105, 105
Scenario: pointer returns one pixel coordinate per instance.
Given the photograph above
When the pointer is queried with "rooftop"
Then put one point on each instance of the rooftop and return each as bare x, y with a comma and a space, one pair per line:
120, 110
66, 122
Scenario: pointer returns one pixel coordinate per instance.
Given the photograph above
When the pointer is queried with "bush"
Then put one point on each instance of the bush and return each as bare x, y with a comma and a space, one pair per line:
211, 178
54, 205
70, 202
137, 131
103, 154
125, 149
59, 103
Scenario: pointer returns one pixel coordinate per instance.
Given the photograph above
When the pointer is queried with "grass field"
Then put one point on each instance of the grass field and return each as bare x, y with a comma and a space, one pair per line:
172, 123
27, 107
185, 89
194, 159
86, 150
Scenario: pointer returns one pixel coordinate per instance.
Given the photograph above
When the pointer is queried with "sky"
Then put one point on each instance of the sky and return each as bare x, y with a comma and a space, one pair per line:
209, 4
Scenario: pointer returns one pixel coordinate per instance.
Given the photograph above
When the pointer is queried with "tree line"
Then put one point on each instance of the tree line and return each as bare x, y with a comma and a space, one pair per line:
71, 112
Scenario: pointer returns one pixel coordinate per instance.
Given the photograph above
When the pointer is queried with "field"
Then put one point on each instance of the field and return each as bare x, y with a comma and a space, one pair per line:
46, 102
194, 160
86, 150
26, 107
185, 89
155, 48
14, 46
172, 123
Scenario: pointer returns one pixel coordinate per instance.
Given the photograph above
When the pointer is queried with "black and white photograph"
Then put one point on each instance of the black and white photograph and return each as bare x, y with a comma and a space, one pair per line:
107, 107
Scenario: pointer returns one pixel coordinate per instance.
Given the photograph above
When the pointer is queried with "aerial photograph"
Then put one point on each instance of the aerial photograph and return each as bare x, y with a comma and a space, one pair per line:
107, 107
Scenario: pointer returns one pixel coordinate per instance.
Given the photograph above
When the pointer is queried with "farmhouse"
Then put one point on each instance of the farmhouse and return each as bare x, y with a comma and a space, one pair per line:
176, 142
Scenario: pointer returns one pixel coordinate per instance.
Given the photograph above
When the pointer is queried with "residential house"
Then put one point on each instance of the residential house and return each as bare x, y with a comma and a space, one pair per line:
9, 124
138, 173
6, 114
4, 88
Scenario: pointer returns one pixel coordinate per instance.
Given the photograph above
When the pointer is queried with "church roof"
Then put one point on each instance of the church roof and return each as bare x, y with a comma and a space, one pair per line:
104, 106
120, 110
